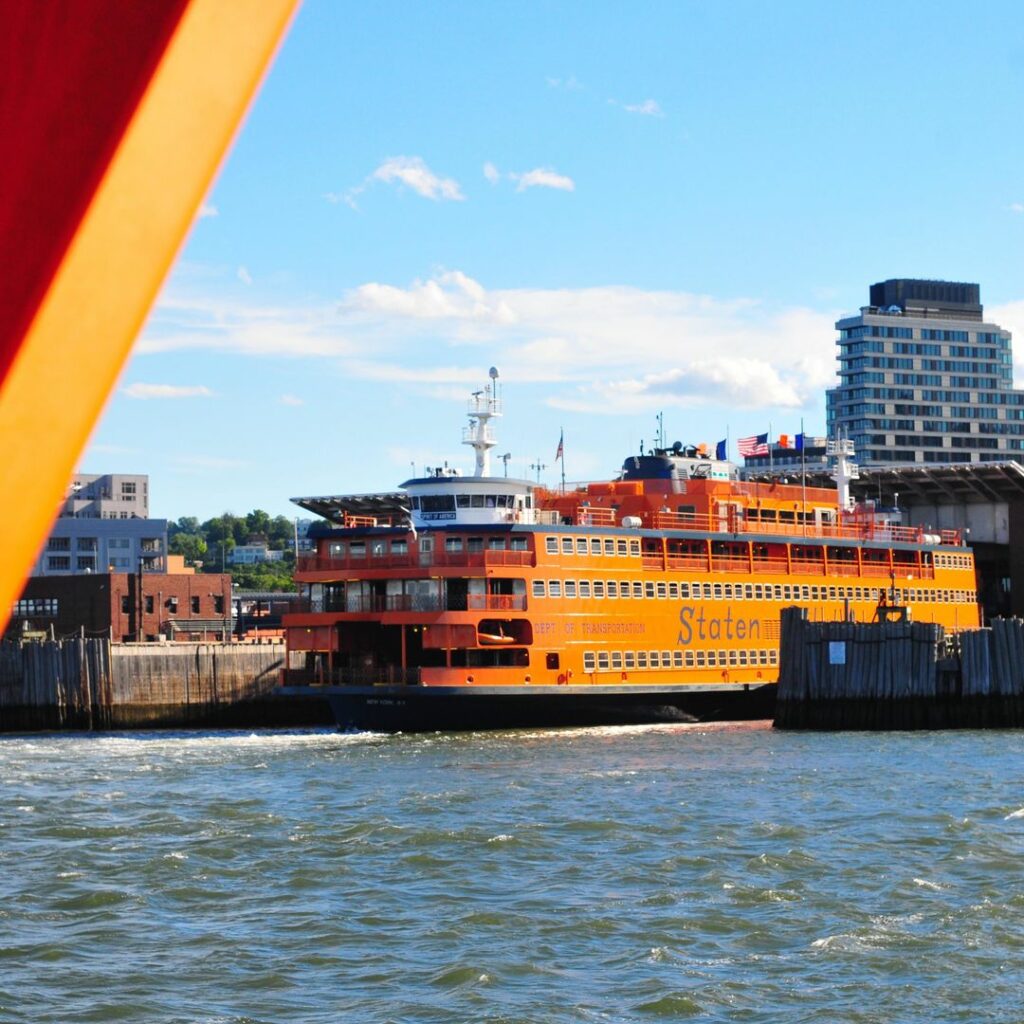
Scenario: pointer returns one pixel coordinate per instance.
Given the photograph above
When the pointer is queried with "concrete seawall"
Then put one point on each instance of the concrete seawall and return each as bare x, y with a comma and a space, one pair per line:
87, 683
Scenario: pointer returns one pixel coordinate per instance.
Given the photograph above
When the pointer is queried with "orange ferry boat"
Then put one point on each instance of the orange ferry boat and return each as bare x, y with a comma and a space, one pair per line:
487, 602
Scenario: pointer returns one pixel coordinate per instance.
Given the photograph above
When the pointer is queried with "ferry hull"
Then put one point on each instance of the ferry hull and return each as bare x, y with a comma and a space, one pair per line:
432, 709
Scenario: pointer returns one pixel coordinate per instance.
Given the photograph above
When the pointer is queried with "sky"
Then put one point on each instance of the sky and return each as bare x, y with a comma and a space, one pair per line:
628, 209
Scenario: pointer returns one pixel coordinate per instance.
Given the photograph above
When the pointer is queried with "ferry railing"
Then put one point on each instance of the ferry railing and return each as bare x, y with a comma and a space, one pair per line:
807, 567
497, 602
454, 559
728, 564
771, 565
593, 515
687, 562
380, 675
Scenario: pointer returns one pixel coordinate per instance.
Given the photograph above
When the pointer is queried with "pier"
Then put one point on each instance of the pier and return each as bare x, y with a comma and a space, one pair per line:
92, 684
896, 674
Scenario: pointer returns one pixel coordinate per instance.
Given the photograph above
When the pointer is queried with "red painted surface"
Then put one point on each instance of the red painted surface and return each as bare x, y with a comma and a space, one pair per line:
73, 74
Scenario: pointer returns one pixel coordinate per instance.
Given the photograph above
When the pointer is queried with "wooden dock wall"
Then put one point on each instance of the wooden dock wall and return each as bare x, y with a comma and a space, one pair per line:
898, 675
88, 683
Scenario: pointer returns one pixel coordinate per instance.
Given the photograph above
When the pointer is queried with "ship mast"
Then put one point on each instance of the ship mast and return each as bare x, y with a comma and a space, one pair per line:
483, 407
846, 470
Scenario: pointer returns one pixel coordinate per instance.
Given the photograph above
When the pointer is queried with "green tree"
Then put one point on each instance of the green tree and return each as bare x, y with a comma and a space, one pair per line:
191, 545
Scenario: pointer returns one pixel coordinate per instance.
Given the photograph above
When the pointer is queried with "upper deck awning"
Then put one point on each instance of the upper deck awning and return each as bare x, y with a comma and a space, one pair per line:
943, 485
385, 507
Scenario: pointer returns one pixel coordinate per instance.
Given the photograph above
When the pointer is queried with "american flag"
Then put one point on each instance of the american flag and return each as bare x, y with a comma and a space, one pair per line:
756, 444
560, 453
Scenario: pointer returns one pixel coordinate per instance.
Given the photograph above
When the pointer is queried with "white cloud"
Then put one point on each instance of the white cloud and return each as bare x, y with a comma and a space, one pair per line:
1016, 207
649, 108
543, 177
570, 84
491, 173
608, 349
291, 400
413, 172
243, 275
207, 210
146, 391
1010, 315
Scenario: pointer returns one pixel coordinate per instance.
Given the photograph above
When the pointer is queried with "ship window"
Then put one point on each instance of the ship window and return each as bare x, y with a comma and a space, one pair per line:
762, 657
438, 502
475, 544
490, 500
649, 589
621, 548
630, 659
584, 588
638, 589
624, 589
357, 549
554, 588
570, 588
786, 592
399, 547
462, 500
774, 655
476, 501
378, 548
758, 592
743, 658
700, 659
581, 545
453, 543
718, 591
595, 546
609, 546
673, 591
567, 545
336, 549
727, 591
684, 590
588, 661
689, 659
598, 588
707, 591
613, 588
551, 660
602, 660
634, 547
831, 593
551, 545
415, 503
662, 590
495, 543
517, 543
617, 659
641, 659
653, 659
501, 501
677, 659
538, 588
748, 591
805, 593
666, 659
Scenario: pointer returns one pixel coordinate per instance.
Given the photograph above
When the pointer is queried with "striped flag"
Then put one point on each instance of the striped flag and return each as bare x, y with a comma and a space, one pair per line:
756, 444
560, 454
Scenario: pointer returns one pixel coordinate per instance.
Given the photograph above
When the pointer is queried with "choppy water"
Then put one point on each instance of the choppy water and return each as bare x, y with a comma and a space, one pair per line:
666, 873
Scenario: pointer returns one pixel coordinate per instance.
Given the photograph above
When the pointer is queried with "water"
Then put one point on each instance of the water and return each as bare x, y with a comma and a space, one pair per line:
638, 874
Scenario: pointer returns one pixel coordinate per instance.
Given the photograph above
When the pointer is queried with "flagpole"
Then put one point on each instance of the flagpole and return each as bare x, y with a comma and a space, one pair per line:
771, 460
562, 446
803, 467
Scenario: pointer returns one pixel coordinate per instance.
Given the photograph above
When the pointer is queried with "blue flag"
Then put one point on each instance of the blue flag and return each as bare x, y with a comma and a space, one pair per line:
720, 453
799, 442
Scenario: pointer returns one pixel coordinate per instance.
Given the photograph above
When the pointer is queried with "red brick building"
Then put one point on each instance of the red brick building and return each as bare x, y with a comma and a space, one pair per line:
127, 606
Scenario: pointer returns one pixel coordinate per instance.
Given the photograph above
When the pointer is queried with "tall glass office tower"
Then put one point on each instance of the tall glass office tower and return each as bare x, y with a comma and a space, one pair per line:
923, 378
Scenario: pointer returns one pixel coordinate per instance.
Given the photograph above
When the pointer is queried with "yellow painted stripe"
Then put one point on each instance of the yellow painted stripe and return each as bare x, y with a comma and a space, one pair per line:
98, 300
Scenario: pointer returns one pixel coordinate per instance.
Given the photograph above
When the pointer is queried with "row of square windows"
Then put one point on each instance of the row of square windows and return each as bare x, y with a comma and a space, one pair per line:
592, 546
616, 661
674, 591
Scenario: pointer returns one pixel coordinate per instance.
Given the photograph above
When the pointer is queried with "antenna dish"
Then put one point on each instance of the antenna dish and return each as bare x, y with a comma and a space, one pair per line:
493, 373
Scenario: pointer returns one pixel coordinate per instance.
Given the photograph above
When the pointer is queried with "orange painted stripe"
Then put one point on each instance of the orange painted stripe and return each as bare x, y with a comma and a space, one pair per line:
76, 345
